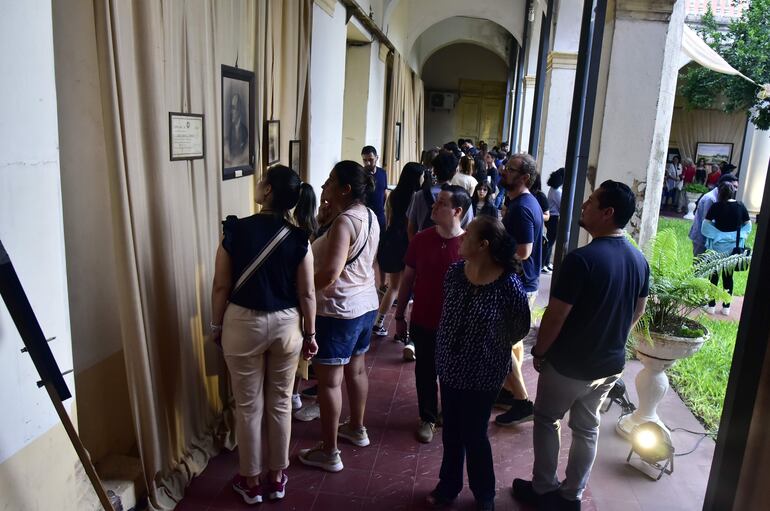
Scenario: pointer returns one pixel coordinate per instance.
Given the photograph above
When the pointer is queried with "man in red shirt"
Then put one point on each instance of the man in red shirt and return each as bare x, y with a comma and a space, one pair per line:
427, 260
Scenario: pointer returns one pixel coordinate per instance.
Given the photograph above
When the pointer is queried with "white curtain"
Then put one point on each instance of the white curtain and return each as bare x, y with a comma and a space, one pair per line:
688, 127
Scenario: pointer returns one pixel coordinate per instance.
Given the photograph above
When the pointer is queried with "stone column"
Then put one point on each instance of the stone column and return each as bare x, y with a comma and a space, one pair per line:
559, 86
526, 111
635, 117
754, 168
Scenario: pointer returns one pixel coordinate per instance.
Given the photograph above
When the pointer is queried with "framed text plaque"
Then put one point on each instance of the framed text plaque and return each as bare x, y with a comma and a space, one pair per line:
185, 136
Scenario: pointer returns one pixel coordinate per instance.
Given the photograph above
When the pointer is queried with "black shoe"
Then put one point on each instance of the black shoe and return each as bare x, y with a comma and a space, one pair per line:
553, 501
523, 492
521, 411
436, 500
485, 505
504, 399
310, 392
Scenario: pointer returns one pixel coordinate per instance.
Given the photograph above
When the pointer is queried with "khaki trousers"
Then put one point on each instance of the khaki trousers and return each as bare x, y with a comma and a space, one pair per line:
262, 351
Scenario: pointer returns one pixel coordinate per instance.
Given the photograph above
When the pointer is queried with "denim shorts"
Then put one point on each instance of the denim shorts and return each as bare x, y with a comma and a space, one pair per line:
339, 339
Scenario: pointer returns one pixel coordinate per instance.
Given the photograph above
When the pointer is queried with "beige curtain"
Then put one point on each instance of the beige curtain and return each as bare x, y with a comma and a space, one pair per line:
287, 57
405, 106
688, 127
156, 57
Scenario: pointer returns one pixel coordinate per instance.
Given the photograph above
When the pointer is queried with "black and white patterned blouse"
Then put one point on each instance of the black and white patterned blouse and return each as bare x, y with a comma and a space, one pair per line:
479, 324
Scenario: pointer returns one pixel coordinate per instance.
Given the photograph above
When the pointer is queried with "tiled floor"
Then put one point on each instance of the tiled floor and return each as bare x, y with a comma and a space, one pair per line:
396, 472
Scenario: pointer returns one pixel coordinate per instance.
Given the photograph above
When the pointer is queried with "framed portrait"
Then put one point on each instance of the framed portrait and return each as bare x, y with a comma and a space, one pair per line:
185, 136
714, 152
397, 140
272, 142
238, 140
295, 156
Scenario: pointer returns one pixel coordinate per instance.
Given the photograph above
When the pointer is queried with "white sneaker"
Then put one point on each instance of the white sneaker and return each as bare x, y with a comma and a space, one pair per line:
357, 437
308, 413
409, 353
317, 457
710, 310
296, 402
725, 310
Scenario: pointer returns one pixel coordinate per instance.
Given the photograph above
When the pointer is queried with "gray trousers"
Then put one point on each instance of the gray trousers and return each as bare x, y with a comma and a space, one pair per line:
557, 394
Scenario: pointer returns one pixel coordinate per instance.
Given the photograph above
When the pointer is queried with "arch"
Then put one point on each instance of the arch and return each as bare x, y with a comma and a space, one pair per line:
484, 33
420, 15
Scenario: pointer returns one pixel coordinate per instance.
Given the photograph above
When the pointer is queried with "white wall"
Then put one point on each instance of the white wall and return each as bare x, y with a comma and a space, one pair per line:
375, 108
327, 87
356, 101
30, 218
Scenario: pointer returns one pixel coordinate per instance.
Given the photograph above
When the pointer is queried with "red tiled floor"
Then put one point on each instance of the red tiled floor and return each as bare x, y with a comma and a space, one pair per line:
396, 472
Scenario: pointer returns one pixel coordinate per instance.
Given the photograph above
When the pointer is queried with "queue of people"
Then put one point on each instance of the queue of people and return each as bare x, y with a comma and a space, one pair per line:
468, 259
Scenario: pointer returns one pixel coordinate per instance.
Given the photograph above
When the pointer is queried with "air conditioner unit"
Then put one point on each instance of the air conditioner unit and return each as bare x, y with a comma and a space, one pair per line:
441, 101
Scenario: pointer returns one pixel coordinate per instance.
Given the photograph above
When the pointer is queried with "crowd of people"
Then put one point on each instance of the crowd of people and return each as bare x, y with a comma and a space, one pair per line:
459, 246
679, 175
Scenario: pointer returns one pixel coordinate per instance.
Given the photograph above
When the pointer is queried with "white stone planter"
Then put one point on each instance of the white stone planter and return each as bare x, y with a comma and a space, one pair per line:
652, 382
692, 198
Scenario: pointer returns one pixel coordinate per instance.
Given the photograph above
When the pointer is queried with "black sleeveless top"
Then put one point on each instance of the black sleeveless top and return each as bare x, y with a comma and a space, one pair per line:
274, 286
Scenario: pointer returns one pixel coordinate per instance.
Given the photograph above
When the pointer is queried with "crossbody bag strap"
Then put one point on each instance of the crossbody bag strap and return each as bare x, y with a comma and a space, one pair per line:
360, 250
263, 254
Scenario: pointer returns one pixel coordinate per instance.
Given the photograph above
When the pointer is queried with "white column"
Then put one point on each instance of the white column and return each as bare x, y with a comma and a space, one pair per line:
754, 171
559, 87
526, 112
327, 92
636, 115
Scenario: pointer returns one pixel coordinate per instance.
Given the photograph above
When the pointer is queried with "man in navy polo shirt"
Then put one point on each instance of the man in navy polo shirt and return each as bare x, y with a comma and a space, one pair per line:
524, 222
598, 295
375, 200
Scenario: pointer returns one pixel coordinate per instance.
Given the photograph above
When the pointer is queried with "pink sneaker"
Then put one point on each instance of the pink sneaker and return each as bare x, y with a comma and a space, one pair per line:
277, 490
251, 495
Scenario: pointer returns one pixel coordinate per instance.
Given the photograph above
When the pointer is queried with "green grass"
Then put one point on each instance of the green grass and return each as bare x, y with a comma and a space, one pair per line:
701, 380
682, 227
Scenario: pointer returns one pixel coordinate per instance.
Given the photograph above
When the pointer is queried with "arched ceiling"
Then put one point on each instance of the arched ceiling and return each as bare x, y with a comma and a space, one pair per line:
484, 33
406, 20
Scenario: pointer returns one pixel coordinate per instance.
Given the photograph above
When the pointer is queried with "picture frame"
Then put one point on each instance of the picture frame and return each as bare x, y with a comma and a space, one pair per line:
186, 136
272, 142
713, 152
238, 93
397, 140
295, 156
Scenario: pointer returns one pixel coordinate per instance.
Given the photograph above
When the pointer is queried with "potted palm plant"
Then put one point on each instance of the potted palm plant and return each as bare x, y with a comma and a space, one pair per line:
670, 328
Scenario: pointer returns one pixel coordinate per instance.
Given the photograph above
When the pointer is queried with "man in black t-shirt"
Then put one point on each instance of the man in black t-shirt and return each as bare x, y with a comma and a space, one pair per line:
599, 293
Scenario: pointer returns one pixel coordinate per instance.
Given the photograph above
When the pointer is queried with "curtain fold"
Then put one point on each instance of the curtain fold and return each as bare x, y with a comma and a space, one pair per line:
405, 106
156, 57
287, 58
688, 127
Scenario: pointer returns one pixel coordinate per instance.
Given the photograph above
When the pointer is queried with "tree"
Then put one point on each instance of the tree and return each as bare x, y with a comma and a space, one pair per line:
746, 47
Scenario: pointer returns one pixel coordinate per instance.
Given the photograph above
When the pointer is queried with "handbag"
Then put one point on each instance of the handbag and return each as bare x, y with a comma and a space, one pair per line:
743, 264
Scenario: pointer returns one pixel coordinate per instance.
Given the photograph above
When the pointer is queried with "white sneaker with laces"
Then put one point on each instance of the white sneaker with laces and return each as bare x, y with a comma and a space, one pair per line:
296, 402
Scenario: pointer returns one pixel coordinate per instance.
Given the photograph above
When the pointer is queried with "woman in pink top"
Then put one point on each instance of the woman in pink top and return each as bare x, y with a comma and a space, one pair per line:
347, 302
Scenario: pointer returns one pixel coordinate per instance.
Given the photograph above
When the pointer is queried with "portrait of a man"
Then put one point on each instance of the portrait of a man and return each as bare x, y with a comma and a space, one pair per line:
237, 122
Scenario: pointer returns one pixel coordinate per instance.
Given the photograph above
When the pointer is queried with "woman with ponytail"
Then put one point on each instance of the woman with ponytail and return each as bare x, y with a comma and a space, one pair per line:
263, 316
485, 313
346, 299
